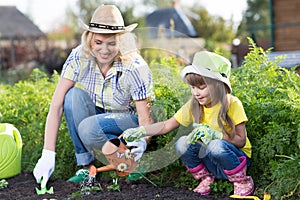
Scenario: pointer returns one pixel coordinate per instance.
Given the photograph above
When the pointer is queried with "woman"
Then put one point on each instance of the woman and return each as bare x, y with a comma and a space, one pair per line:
104, 89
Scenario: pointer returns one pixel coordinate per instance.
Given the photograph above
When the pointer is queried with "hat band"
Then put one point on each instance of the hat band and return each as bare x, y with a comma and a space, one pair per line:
222, 74
104, 26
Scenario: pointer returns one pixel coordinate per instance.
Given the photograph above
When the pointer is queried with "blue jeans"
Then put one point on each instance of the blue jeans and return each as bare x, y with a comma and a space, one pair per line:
217, 156
89, 126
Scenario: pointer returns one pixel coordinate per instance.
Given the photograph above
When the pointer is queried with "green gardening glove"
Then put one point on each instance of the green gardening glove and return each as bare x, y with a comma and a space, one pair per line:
204, 133
133, 134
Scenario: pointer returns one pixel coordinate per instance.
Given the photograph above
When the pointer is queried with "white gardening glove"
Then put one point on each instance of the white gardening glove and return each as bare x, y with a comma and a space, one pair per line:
44, 167
139, 146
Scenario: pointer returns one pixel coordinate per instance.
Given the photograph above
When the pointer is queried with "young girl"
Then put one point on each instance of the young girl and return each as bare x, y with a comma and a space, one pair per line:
218, 146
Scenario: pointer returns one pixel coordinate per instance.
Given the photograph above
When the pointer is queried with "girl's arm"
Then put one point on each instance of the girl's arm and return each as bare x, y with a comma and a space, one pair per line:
161, 128
239, 139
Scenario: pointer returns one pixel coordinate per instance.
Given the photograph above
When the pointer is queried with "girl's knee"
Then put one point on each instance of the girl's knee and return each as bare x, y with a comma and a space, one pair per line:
215, 147
181, 145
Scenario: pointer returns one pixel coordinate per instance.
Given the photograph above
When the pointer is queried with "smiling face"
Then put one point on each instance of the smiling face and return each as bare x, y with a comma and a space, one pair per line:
104, 47
200, 89
202, 95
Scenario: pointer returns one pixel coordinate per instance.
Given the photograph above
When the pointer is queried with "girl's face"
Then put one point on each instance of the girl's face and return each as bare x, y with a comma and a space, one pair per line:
104, 48
202, 95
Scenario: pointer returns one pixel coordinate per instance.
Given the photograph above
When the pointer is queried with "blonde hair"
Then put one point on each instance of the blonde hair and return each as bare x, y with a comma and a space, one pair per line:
218, 92
126, 43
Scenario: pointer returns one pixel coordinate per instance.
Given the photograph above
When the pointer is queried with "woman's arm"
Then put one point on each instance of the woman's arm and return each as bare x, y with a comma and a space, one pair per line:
239, 140
55, 113
143, 108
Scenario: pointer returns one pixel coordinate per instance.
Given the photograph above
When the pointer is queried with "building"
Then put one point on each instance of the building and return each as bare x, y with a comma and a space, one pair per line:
19, 38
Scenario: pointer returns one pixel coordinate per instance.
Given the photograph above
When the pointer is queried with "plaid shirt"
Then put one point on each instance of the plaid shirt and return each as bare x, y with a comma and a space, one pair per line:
125, 81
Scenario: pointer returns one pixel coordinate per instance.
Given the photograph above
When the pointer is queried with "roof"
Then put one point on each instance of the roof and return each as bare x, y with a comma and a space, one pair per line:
162, 17
290, 58
14, 24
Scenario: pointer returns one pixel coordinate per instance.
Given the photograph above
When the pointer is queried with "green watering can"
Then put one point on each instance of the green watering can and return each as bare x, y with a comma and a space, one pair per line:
10, 151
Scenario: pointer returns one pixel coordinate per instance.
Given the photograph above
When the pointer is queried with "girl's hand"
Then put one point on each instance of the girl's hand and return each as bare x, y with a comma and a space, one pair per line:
204, 133
133, 134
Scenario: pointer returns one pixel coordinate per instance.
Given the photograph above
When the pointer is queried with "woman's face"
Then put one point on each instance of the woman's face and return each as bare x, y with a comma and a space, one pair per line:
202, 95
104, 48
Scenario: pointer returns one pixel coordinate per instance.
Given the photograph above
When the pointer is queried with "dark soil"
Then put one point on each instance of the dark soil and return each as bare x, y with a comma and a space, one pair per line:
22, 187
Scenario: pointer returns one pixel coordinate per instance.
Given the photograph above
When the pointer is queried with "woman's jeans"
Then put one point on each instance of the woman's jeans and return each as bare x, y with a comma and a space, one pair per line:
90, 126
217, 156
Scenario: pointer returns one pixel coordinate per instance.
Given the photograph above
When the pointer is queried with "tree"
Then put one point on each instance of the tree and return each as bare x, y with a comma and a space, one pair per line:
256, 20
213, 28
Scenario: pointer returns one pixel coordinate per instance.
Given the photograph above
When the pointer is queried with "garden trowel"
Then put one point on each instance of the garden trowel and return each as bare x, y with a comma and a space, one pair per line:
44, 189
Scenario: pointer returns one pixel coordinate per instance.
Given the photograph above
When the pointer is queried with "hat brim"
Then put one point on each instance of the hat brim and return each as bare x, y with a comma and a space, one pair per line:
128, 28
206, 73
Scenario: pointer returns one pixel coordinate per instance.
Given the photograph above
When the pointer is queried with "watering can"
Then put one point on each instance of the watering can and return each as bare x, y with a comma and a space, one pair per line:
10, 150
119, 157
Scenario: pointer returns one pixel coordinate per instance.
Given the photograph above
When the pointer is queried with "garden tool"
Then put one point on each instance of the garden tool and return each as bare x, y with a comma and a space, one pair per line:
267, 196
44, 189
234, 196
119, 157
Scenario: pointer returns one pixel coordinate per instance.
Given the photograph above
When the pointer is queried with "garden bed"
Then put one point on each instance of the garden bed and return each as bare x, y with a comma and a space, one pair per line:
23, 186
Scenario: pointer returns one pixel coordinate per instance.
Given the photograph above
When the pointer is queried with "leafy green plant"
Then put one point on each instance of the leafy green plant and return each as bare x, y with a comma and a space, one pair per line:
114, 186
25, 105
3, 184
271, 98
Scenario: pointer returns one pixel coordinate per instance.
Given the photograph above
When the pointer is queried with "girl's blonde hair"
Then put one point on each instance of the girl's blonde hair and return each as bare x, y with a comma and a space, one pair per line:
218, 92
126, 43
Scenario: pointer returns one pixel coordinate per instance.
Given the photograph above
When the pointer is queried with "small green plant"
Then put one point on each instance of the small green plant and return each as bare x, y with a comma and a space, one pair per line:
86, 190
3, 184
115, 186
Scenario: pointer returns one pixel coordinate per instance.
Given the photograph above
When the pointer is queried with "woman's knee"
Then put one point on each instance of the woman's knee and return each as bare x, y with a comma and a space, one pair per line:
90, 133
86, 129
74, 97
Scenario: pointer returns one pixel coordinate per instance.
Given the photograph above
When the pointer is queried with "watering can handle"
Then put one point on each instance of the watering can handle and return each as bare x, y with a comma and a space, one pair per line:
18, 137
16, 133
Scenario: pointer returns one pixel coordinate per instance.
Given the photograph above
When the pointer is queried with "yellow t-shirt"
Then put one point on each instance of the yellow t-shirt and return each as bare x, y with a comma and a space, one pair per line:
235, 111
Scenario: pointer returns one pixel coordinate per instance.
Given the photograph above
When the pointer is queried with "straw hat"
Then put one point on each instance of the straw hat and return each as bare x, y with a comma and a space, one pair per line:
210, 65
108, 19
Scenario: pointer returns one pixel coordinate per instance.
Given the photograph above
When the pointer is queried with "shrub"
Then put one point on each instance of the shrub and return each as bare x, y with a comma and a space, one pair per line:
26, 105
271, 98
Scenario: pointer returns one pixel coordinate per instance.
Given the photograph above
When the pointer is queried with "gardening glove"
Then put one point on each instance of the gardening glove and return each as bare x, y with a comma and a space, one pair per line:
44, 167
204, 133
133, 134
139, 146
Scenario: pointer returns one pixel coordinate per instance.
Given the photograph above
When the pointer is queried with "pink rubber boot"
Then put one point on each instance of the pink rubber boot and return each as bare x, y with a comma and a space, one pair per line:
200, 172
243, 185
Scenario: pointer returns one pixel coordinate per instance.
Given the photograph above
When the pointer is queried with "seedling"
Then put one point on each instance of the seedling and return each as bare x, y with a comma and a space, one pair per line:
44, 189
3, 183
115, 186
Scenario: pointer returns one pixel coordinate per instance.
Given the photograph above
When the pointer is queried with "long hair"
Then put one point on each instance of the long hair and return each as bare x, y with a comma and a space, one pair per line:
218, 92
126, 43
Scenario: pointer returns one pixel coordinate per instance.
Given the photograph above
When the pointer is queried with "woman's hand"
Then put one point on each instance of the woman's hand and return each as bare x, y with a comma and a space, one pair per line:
133, 134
